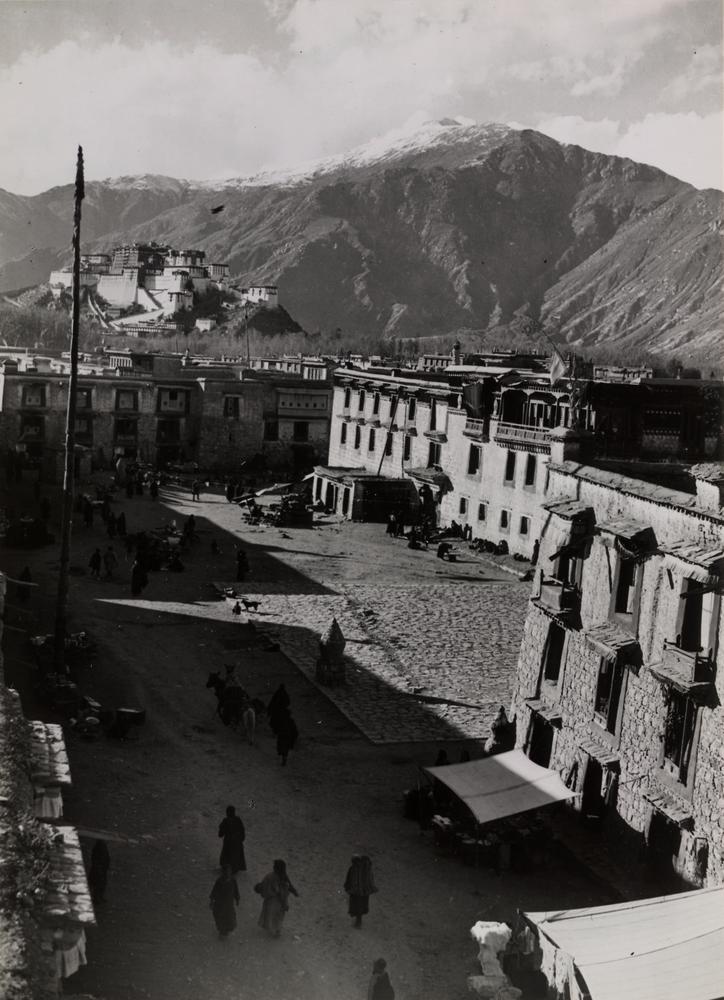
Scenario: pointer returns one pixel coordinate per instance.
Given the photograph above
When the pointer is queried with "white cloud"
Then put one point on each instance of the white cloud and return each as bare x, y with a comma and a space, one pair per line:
343, 71
704, 72
688, 146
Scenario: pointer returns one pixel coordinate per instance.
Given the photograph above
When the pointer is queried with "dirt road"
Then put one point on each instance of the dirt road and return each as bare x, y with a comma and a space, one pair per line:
340, 794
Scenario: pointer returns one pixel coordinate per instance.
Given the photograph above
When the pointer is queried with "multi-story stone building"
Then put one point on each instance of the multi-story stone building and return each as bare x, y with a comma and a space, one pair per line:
164, 409
620, 681
482, 442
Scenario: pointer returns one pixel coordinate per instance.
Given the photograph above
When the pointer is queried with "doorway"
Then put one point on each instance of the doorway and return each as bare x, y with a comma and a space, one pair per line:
540, 744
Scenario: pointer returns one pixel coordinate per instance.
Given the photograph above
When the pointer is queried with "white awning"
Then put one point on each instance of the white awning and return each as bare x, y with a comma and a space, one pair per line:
502, 785
665, 948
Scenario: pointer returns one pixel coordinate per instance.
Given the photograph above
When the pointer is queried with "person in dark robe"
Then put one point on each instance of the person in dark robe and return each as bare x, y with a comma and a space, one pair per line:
196, 490
23, 591
153, 488
380, 987
287, 734
278, 705
232, 830
275, 889
229, 492
139, 578
391, 525
236, 610
98, 872
223, 900
359, 886
121, 524
94, 564
242, 565
536, 550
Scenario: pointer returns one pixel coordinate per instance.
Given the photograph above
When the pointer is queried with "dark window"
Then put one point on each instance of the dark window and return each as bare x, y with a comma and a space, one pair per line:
504, 520
32, 428
482, 511
361, 402
300, 430
463, 508
524, 525
83, 399
388, 444
33, 395
126, 399
376, 403
608, 694
473, 460
693, 601
406, 448
434, 453
510, 467
371, 440
530, 467
568, 569
126, 429
343, 434
271, 430
433, 415
411, 408
625, 591
357, 437
231, 407
679, 735
553, 653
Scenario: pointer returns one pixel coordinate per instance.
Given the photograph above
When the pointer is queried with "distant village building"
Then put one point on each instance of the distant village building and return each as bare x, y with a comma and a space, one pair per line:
261, 295
162, 408
156, 279
620, 677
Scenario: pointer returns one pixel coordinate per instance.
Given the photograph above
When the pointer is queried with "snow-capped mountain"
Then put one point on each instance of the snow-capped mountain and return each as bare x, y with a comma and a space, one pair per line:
434, 229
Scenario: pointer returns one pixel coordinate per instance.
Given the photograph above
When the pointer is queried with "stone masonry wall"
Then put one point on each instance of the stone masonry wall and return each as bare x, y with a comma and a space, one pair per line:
639, 741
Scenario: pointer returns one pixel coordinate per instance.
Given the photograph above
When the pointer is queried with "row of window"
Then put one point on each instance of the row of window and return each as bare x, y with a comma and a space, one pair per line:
410, 402
173, 400
608, 705
505, 517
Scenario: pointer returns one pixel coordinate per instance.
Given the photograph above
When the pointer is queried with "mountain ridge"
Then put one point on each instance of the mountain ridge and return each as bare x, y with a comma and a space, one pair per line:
453, 226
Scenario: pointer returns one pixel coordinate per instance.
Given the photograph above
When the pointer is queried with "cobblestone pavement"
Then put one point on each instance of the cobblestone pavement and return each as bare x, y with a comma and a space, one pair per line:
431, 651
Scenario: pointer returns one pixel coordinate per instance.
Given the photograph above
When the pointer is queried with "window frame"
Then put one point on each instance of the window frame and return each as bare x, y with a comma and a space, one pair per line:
530, 463
609, 729
508, 514
299, 437
483, 506
671, 775
407, 448
343, 433
476, 450
627, 620
371, 440
271, 429
545, 680
510, 459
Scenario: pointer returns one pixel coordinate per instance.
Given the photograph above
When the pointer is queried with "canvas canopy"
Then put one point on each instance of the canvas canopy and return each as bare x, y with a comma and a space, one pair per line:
666, 948
502, 785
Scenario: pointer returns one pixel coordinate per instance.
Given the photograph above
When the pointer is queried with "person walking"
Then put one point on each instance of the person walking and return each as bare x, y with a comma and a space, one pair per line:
287, 734
232, 830
98, 872
278, 706
223, 901
110, 562
242, 565
275, 889
195, 490
139, 577
153, 488
380, 987
359, 886
94, 564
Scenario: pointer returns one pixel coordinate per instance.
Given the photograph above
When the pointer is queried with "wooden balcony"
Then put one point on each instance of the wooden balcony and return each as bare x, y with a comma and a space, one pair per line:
475, 429
522, 436
689, 671
558, 596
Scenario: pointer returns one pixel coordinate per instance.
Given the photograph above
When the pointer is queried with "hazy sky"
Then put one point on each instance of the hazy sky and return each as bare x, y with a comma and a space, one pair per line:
215, 88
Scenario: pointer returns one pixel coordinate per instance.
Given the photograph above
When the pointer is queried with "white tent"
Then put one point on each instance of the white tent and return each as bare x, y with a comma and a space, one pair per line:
501, 785
665, 948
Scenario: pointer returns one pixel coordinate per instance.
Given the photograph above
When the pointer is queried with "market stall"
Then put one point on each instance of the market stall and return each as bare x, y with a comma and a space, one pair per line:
667, 947
476, 808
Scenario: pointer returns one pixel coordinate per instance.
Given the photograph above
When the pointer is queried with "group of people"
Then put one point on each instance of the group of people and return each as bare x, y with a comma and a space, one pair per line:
275, 890
107, 560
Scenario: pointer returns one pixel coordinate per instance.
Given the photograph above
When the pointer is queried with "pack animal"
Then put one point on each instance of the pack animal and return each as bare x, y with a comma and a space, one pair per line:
250, 605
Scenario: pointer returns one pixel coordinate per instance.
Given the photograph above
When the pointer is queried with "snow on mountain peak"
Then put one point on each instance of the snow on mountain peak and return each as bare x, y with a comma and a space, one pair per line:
417, 137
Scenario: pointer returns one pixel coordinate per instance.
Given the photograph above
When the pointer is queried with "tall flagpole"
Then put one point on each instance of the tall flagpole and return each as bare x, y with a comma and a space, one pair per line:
69, 473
